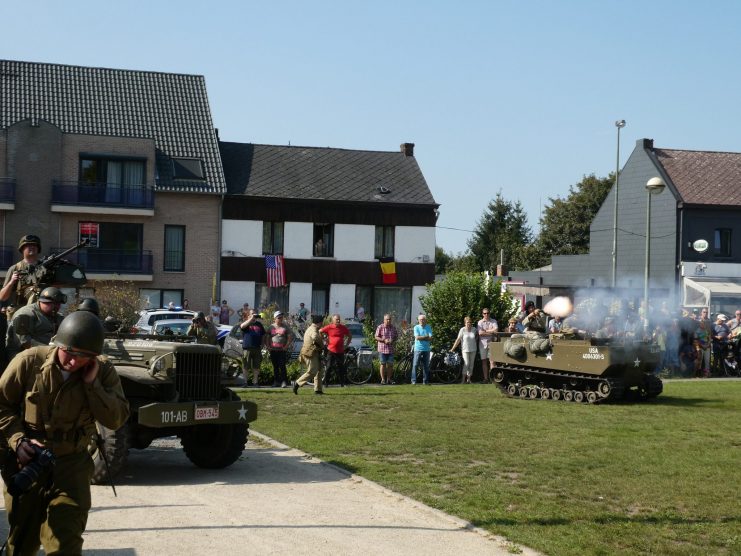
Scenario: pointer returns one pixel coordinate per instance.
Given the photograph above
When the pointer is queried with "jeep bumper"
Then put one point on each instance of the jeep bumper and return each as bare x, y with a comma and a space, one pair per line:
186, 414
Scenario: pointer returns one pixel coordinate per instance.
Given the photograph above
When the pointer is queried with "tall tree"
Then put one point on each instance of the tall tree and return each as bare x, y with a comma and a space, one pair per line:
503, 226
564, 225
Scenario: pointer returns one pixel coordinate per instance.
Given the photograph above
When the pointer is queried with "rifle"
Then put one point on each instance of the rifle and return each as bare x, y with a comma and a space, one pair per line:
36, 277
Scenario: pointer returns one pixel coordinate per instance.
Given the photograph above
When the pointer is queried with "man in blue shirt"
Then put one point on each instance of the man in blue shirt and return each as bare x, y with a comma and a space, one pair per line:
253, 338
422, 337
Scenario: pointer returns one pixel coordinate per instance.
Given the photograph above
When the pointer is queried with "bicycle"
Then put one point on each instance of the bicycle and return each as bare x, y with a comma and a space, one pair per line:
445, 367
357, 373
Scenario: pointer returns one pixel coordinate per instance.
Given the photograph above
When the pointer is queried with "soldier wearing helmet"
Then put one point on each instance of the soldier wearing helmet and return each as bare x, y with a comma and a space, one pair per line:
204, 331
89, 304
35, 324
30, 247
50, 397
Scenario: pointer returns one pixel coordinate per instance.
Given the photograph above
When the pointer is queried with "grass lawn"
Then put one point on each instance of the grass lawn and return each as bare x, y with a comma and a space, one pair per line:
662, 477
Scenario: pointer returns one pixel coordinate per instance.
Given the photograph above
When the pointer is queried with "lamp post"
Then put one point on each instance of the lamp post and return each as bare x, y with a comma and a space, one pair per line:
654, 186
619, 124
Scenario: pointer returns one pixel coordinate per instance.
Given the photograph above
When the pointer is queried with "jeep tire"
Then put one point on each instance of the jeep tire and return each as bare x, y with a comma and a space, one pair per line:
214, 446
116, 447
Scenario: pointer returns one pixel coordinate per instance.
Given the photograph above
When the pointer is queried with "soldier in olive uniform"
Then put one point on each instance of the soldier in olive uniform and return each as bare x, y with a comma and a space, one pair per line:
51, 397
35, 324
30, 247
204, 331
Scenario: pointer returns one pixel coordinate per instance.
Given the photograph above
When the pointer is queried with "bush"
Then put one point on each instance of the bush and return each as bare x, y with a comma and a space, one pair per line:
460, 295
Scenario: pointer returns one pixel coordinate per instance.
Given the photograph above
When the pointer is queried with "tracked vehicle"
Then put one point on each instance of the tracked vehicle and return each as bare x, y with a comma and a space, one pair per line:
579, 370
175, 388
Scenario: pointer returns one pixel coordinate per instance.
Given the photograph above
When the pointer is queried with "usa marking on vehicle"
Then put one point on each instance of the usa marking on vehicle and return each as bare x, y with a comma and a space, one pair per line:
593, 353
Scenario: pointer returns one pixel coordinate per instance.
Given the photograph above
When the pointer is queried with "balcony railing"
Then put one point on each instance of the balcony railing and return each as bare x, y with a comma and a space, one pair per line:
102, 194
8, 255
7, 190
109, 261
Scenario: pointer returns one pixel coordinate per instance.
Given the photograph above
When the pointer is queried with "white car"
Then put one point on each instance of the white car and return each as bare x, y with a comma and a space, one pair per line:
177, 327
150, 316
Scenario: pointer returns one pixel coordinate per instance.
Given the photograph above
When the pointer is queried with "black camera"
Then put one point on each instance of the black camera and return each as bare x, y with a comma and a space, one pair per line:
42, 461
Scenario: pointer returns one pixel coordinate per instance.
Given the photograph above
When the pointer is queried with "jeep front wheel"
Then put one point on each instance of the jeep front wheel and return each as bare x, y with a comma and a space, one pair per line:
214, 446
115, 445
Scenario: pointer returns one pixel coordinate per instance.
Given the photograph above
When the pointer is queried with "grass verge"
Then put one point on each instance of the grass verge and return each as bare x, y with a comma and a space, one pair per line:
653, 478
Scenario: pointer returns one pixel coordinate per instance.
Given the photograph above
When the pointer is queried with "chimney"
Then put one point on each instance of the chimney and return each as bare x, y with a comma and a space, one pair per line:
646, 143
407, 149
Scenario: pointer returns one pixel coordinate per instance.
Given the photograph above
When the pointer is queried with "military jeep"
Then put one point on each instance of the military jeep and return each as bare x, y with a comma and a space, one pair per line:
175, 388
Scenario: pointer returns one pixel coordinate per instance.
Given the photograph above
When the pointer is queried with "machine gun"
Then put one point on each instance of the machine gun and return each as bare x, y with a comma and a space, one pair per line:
53, 270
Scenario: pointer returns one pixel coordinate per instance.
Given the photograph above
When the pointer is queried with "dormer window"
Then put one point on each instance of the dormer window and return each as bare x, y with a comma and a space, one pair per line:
187, 169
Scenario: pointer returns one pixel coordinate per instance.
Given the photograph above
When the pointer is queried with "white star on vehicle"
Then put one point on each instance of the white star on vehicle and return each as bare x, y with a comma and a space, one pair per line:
242, 413
637, 362
549, 356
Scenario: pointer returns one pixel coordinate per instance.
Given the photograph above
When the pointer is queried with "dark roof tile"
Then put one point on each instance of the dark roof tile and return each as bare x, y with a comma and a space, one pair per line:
323, 174
704, 177
172, 109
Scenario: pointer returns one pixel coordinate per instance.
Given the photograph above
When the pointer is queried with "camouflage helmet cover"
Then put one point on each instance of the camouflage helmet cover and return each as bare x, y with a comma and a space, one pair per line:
52, 295
80, 331
29, 239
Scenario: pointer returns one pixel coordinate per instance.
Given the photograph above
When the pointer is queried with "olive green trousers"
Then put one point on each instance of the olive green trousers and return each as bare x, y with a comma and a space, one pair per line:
53, 513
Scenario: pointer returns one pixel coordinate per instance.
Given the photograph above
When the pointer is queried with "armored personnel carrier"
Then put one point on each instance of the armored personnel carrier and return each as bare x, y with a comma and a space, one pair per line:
174, 388
580, 370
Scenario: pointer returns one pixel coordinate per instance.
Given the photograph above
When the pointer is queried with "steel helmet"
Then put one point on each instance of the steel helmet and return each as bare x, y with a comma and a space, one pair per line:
80, 331
52, 295
89, 304
29, 239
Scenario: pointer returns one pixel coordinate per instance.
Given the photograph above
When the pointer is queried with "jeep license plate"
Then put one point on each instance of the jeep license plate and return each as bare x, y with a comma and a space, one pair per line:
206, 413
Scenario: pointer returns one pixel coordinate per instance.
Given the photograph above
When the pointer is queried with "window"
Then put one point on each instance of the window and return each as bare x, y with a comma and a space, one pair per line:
154, 299
394, 301
187, 169
320, 300
323, 240
384, 241
722, 245
364, 299
272, 238
277, 297
101, 171
112, 235
111, 180
174, 248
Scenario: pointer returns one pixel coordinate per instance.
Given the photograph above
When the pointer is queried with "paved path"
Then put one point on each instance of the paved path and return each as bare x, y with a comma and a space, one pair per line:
275, 500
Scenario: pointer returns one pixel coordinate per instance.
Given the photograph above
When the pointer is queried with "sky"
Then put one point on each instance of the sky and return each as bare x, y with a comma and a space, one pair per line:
518, 97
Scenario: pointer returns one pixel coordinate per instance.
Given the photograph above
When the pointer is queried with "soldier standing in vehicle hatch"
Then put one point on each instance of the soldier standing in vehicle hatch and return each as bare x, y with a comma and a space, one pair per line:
51, 397
30, 247
35, 324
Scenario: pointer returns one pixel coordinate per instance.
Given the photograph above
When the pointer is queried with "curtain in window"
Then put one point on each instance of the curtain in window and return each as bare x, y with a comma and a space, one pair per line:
384, 246
133, 179
319, 302
174, 248
395, 301
265, 296
114, 180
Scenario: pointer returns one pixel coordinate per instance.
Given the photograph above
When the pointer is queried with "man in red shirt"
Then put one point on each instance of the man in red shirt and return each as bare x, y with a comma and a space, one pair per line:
338, 338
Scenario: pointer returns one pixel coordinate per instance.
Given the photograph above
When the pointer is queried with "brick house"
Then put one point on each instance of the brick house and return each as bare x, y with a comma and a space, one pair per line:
695, 259
332, 214
128, 160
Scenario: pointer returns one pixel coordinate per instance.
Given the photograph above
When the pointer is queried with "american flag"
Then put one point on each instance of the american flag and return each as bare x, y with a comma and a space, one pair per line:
276, 271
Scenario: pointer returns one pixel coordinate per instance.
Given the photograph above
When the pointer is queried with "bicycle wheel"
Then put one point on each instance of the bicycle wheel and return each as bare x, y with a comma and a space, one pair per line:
402, 368
444, 372
356, 374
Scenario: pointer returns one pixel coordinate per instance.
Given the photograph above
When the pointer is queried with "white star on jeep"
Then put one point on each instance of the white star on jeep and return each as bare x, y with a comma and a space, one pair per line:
549, 356
637, 362
242, 413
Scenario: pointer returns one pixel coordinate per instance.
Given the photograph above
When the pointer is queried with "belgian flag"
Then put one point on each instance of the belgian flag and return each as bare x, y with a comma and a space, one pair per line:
388, 270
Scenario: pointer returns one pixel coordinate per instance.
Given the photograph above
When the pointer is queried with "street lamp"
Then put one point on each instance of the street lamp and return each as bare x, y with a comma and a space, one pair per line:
619, 124
654, 186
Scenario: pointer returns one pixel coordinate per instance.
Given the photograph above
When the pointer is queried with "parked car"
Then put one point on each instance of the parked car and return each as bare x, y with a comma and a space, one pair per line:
166, 327
148, 317
358, 336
